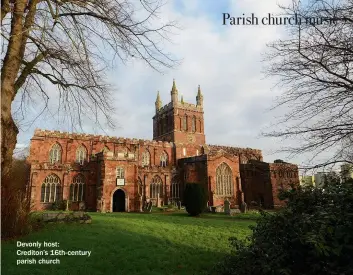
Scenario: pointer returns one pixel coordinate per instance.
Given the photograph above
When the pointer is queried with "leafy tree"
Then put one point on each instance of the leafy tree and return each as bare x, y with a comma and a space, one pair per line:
195, 198
312, 235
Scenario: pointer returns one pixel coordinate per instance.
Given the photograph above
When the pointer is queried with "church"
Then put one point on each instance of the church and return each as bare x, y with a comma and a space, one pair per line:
114, 174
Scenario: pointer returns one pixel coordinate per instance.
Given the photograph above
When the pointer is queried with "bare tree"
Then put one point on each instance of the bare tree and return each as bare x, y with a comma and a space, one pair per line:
314, 66
65, 44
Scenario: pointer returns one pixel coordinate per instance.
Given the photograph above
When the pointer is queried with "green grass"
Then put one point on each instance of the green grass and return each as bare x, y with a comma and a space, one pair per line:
134, 243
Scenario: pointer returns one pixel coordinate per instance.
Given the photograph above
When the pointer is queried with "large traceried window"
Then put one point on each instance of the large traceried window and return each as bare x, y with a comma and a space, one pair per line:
164, 159
51, 189
81, 153
185, 123
193, 124
156, 188
55, 153
146, 158
77, 188
224, 185
175, 189
119, 172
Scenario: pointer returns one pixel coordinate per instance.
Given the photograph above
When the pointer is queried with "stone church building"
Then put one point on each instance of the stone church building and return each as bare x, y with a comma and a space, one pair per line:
120, 174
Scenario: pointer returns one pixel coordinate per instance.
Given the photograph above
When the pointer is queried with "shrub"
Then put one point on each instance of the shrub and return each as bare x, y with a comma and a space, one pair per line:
312, 235
15, 201
195, 198
59, 205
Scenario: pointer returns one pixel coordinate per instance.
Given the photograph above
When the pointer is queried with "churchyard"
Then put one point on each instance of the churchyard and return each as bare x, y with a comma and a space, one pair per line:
130, 243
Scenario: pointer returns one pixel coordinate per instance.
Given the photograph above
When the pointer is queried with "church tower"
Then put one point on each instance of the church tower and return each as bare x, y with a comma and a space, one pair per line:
179, 121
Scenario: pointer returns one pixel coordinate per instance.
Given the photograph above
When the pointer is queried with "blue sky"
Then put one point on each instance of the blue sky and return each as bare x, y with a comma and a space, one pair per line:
224, 60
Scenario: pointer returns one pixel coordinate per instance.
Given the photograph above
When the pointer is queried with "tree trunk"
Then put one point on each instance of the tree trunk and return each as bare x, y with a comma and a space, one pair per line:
9, 133
9, 72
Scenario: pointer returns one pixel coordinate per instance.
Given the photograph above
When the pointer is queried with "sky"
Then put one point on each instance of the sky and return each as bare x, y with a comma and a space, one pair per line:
226, 61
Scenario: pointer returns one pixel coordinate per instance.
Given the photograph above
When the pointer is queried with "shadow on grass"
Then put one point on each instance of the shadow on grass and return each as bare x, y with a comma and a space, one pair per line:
204, 220
116, 249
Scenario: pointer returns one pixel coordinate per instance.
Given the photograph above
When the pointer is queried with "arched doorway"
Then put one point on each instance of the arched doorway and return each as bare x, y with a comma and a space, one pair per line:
119, 201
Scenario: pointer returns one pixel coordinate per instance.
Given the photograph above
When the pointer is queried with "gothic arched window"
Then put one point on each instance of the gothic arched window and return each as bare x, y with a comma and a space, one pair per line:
81, 154
200, 126
145, 158
164, 159
185, 123
175, 189
51, 189
224, 186
55, 153
156, 188
193, 124
77, 188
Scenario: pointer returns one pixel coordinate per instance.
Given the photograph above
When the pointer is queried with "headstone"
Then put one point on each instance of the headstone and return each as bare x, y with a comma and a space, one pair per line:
227, 207
82, 206
243, 207
179, 205
102, 206
158, 201
149, 207
67, 205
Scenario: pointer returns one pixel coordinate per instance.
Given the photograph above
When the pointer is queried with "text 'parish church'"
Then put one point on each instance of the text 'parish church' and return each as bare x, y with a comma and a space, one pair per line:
102, 173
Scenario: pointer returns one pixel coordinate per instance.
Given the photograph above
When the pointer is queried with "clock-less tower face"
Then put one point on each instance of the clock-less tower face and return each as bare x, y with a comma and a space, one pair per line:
191, 138
179, 121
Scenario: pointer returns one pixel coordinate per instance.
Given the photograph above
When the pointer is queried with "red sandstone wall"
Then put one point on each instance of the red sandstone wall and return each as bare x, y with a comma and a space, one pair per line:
212, 164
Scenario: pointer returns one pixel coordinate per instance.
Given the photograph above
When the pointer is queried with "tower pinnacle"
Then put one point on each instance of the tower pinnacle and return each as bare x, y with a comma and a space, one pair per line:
174, 93
158, 102
199, 97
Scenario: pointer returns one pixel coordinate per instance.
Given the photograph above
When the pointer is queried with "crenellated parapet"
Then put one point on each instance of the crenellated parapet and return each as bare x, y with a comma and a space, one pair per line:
39, 133
245, 154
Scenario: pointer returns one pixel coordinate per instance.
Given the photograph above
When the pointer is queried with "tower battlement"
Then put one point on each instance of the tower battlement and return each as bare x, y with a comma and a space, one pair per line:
179, 121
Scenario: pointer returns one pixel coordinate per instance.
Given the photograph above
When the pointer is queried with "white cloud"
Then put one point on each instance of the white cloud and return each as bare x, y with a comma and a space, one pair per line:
224, 60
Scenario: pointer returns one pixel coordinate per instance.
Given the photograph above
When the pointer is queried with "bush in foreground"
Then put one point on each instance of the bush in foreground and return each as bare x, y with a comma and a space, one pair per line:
195, 198
312, 235
15, 202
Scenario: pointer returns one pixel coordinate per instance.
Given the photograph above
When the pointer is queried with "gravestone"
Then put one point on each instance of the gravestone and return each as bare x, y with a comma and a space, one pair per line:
82, 206
227, 207
67, 205
102, 206
179, 205
243, 207
149, 207
158, 201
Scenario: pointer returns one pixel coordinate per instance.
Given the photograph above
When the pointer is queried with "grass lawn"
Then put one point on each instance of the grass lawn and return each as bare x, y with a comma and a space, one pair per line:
133, 243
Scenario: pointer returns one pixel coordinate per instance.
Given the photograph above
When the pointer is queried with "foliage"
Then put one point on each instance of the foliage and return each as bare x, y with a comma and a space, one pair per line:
15, 203
195, 198
59, 205
312, 235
